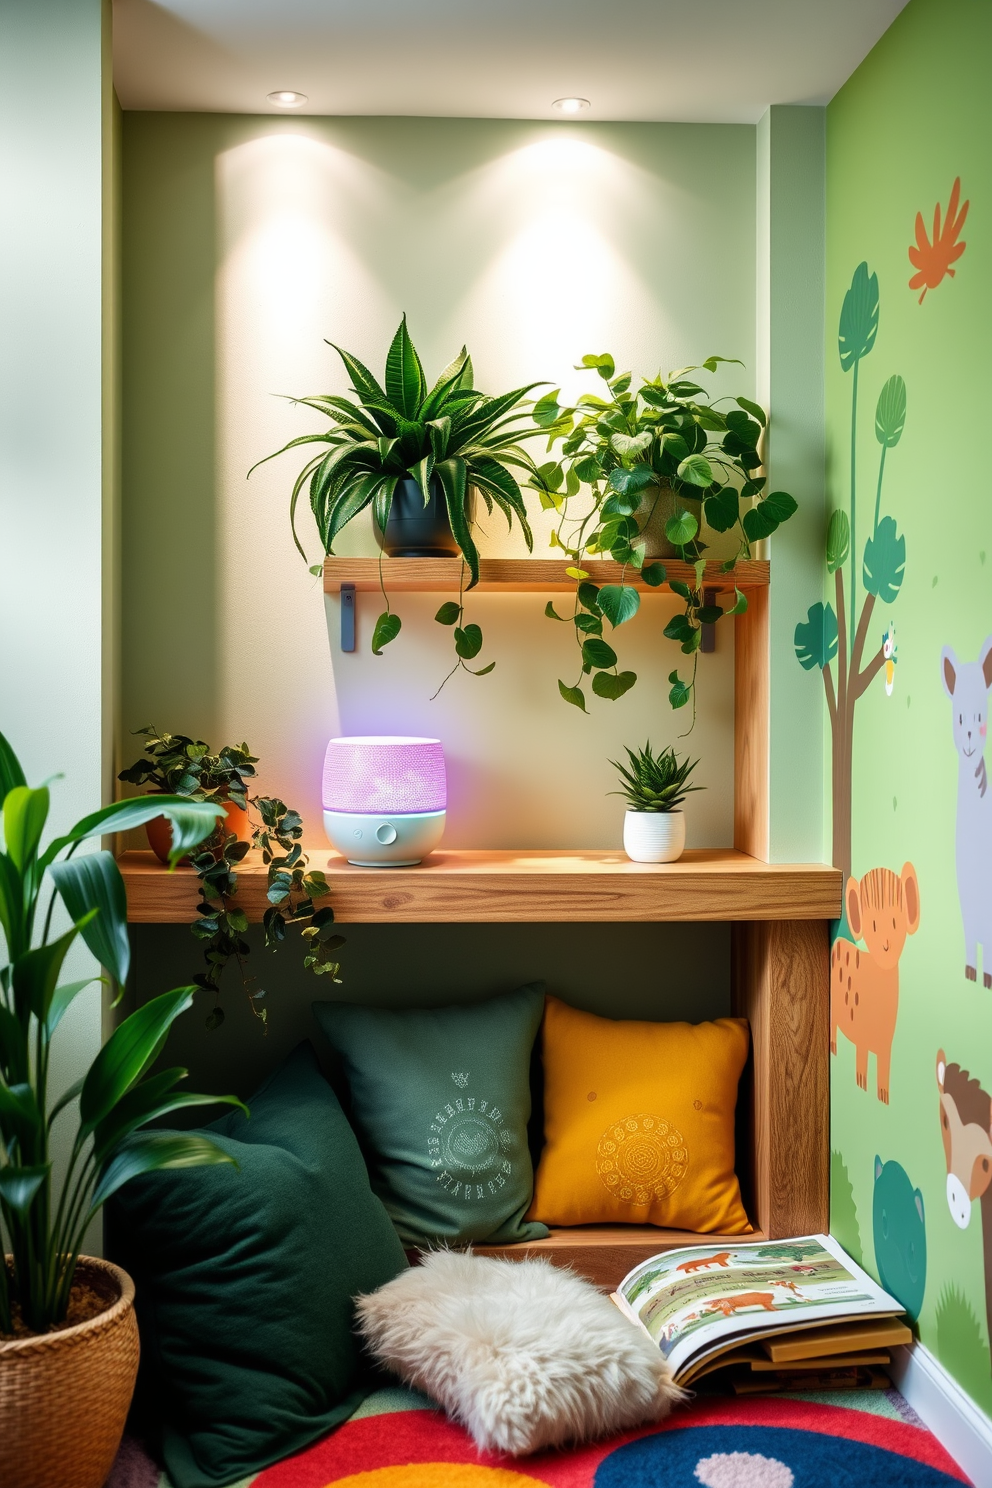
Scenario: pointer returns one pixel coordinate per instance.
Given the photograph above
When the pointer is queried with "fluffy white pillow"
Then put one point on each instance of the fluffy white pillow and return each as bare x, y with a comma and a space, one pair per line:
524, 1354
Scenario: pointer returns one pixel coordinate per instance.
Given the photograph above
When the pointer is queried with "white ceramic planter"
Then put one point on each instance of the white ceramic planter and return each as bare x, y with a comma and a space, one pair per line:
654, 836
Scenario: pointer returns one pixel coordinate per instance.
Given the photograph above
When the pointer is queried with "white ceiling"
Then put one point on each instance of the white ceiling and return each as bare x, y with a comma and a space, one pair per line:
721, 61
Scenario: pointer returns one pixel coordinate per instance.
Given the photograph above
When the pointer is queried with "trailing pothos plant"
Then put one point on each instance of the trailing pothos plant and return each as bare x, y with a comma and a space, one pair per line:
449, 437
187, 767
43, 1221
624, 452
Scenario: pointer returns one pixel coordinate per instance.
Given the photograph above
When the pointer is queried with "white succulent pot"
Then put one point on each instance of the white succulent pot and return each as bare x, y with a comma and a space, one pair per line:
654, 836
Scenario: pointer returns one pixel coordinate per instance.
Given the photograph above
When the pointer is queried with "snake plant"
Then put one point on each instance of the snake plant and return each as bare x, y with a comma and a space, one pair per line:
654, 782
450, 434
42, 1222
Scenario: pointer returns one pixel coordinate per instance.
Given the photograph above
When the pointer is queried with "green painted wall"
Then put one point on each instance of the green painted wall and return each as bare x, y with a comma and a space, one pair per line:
914, 117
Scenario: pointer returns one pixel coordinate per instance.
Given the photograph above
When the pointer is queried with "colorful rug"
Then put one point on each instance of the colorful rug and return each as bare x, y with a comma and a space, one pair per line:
399, 1440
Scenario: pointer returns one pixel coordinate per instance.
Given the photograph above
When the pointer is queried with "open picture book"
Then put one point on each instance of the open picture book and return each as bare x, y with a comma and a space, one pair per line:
780, 1314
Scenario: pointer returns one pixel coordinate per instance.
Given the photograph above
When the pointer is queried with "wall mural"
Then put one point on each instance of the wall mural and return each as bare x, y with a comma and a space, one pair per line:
966, 1130
864, 984
900, 1234
967, 685
837, 633
933, 260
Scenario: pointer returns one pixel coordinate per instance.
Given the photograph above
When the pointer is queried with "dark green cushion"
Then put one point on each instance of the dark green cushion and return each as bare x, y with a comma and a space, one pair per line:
440, 1100
245, 1279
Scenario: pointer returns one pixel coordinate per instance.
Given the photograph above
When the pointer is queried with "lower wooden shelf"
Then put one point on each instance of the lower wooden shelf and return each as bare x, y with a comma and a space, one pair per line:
471, 887
605, 1253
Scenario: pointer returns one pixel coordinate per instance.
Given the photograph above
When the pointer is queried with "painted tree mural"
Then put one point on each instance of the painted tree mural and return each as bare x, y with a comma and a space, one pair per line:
836, 633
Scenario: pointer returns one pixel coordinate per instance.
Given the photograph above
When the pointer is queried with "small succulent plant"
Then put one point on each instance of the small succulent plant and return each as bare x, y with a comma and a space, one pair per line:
655, 782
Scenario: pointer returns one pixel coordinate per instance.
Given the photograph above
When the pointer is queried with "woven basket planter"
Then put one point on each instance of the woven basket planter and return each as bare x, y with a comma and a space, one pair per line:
64, 1396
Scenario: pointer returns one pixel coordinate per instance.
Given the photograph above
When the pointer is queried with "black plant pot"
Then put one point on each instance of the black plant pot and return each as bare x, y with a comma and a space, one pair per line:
415, 530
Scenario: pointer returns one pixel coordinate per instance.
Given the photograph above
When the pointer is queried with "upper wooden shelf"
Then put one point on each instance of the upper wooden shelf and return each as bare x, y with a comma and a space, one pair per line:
523, 575
478, 887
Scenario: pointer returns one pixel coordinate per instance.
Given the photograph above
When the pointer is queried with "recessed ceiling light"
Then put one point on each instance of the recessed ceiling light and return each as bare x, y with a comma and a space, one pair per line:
286, 98
570, 105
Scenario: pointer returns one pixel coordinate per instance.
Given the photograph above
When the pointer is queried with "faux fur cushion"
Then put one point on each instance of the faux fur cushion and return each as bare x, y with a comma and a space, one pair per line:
524, 1354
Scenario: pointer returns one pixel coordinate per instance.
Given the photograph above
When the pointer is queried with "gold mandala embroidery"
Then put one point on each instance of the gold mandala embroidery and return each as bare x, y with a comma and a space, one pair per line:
641, 1158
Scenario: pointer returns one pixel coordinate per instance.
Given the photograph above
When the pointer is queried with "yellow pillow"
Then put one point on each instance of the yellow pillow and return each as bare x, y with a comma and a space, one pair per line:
639, 1122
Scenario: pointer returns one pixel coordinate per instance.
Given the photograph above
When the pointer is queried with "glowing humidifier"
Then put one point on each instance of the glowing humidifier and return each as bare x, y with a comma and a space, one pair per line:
384, 799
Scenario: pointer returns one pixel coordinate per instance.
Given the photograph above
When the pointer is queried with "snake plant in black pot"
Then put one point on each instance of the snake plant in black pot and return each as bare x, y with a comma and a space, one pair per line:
415, 455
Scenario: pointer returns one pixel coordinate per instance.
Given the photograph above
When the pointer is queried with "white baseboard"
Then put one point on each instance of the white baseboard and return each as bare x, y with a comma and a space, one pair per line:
956, 1421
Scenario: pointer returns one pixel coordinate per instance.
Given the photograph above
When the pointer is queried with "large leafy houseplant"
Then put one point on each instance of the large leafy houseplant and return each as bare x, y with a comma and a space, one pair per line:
625, 455
42, 1223
186, 767
450, 438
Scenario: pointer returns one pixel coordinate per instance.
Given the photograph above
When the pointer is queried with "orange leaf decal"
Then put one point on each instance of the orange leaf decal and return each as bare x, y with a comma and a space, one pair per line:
933, 260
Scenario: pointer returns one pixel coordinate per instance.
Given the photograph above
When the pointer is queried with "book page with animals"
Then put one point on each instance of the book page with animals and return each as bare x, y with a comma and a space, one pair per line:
704, 1301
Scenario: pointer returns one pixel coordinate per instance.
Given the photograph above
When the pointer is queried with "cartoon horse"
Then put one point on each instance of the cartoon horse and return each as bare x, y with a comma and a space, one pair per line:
967, 685
864, 985
966, 1129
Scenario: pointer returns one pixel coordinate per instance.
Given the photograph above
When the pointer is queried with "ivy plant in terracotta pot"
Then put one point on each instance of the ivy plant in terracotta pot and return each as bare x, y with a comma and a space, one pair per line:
188, 768
175, 764
68, 1336
418, 455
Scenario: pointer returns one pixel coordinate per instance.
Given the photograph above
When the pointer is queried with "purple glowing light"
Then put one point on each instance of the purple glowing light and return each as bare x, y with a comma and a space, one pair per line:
384, 774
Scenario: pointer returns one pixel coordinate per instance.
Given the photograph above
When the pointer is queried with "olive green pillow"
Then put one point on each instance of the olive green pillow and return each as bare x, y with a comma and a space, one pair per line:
440, 1099
245, 1278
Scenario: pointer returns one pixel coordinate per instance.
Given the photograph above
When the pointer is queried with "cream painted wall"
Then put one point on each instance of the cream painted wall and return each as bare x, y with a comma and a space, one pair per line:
54, 567
249, 240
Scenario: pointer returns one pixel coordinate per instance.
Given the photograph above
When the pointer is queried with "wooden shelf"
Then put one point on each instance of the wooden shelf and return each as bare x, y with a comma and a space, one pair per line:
605, 1253
523, 575
473, 887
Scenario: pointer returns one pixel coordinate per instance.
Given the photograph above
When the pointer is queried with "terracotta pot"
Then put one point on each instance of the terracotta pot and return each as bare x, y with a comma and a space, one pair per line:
159, 830
64, 1396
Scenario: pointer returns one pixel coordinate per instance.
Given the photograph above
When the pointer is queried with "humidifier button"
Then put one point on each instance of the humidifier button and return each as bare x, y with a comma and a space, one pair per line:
357, 833
386, 833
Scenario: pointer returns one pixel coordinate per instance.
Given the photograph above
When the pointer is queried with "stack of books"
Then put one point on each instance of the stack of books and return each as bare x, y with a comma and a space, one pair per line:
761, 1318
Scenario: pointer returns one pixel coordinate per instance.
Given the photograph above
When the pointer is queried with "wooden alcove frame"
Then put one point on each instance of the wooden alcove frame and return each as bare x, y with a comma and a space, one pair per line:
779, 915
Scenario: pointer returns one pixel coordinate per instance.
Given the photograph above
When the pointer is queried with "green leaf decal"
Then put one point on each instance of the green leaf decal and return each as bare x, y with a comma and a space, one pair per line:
816, 638
606, 685
858, 318
619, 603
890, 412
885, 561
838, 540
387, 628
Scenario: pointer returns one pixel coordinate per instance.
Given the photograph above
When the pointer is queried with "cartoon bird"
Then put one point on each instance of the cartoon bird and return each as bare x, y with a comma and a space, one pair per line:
891, 653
